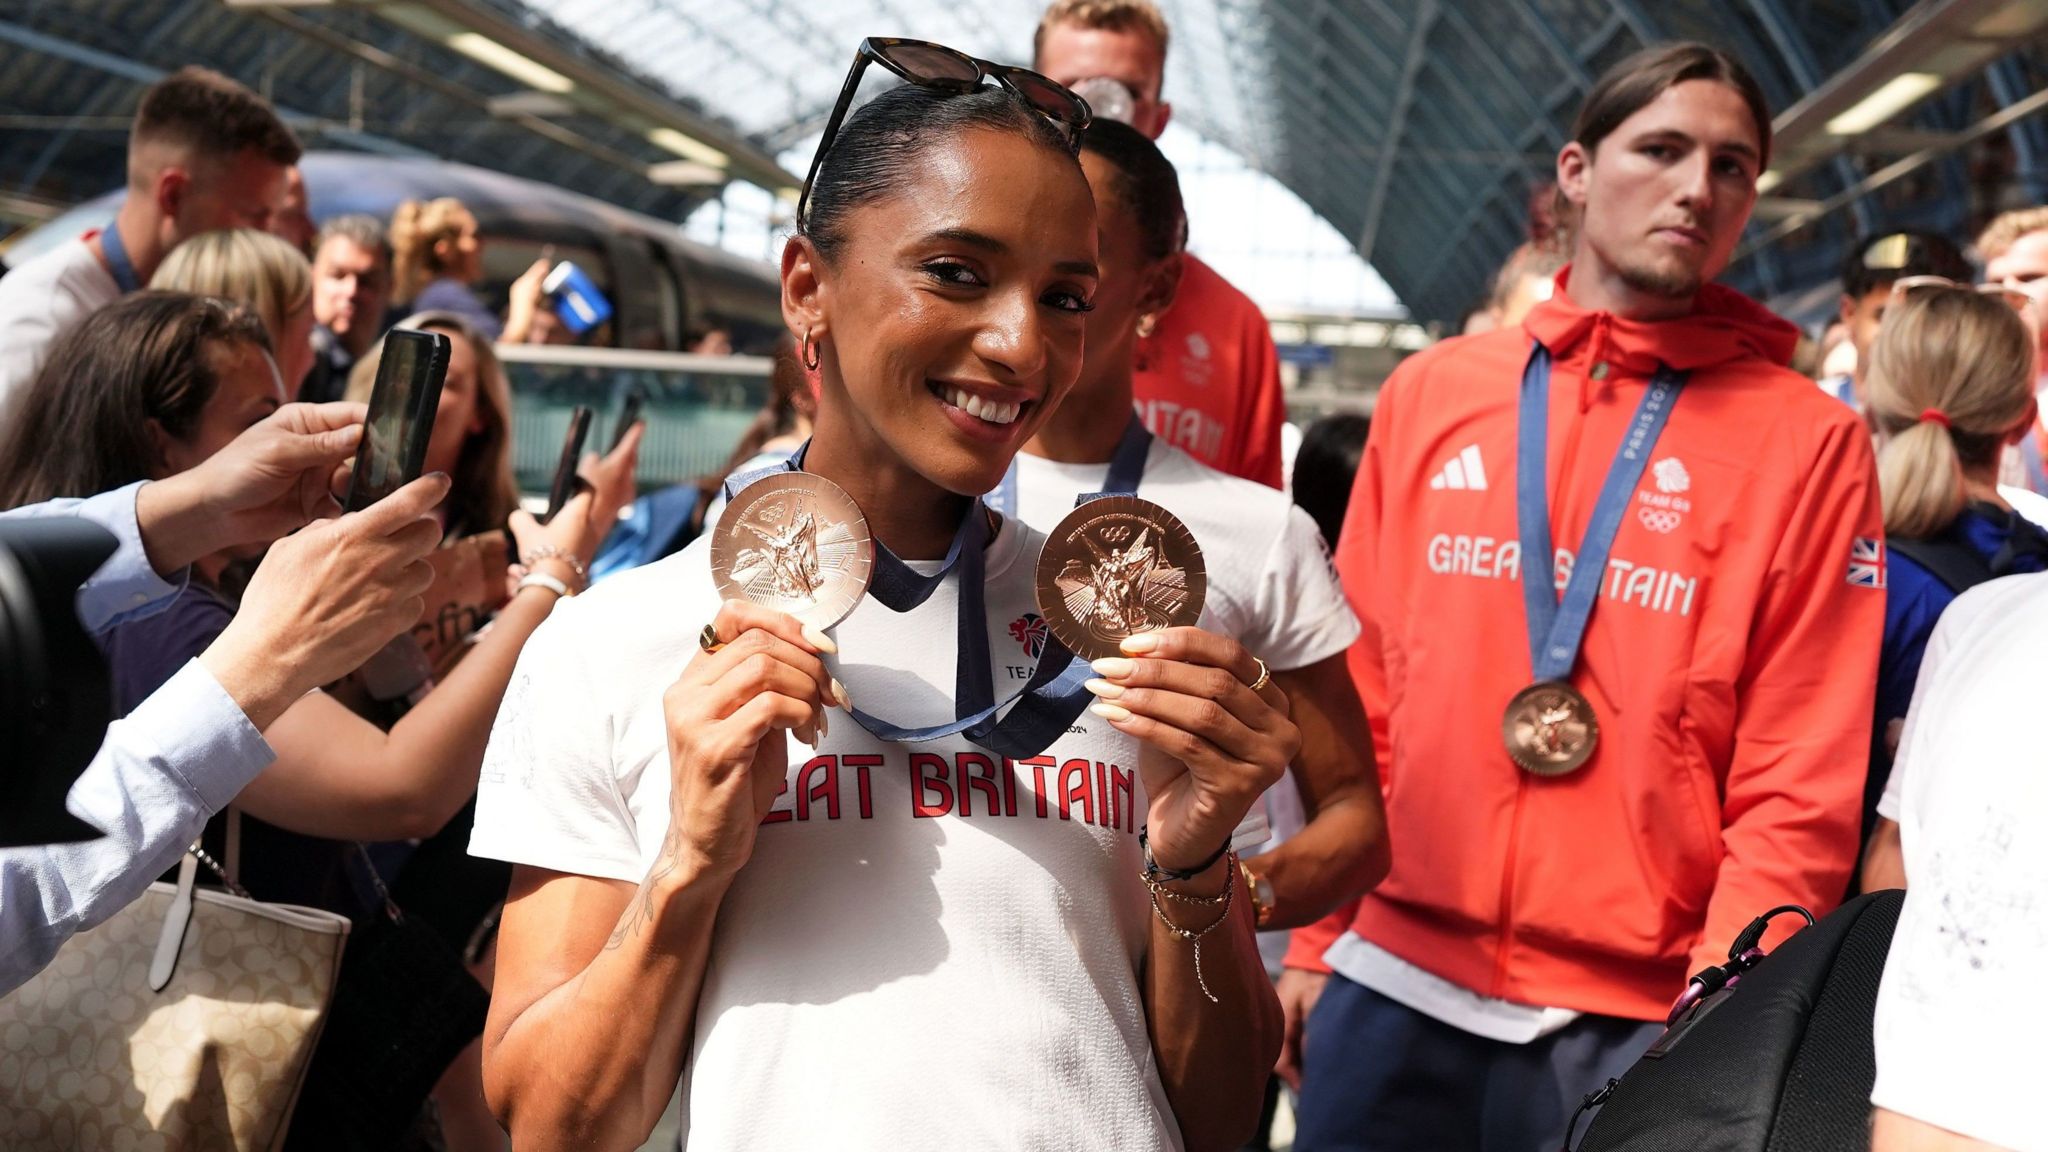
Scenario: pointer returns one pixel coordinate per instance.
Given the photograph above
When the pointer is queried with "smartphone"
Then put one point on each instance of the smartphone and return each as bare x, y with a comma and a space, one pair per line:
401, 419
565, 468
629, 415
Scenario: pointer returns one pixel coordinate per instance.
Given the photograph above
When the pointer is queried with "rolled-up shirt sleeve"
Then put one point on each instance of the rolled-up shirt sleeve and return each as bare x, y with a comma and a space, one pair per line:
182, 755
125, 587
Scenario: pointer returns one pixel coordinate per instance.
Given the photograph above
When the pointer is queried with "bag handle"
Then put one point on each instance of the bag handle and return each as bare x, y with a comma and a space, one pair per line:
163, 964
172, 937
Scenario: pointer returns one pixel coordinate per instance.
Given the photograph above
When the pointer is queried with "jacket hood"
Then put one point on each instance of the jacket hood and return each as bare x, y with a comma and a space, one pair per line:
1724, 326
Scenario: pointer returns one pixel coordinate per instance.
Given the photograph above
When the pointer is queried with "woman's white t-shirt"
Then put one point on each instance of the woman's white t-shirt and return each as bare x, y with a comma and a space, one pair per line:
931, 947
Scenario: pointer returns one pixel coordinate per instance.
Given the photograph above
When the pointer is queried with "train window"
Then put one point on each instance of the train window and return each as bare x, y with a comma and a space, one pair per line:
645, 295
670, 299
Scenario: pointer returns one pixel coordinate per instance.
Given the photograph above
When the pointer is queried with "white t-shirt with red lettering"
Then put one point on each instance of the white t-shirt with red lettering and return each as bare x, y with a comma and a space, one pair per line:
931, 947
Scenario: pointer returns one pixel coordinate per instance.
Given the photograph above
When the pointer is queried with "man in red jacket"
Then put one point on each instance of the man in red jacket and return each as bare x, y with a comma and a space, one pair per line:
1208, 376
1621, 578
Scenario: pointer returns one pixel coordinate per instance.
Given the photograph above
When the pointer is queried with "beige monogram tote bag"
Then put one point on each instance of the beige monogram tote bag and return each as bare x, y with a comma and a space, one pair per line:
184, 1023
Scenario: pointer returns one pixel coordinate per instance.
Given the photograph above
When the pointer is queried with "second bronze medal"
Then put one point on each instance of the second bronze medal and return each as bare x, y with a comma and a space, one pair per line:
1115, 567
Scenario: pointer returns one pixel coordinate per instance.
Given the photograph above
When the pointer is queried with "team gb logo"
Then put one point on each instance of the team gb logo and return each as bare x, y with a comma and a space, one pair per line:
1671, 475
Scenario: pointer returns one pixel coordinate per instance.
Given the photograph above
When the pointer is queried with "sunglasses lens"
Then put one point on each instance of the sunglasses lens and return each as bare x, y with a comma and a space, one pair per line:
930, 63
1055, 100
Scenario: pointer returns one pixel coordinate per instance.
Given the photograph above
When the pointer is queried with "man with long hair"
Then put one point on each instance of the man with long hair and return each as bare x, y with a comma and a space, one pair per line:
1606, 790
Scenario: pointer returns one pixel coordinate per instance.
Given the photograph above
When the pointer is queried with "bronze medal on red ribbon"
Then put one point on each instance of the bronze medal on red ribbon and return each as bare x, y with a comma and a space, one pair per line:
794, 542
1115, 567
1550, 729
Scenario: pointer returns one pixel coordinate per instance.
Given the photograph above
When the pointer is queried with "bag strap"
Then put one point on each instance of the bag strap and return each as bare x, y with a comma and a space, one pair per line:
172, 937
391, 910
163, 964
231, 851
1949, 559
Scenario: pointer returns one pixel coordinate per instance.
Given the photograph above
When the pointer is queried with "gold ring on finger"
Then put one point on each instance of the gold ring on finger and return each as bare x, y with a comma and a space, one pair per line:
708, 639
1265, 675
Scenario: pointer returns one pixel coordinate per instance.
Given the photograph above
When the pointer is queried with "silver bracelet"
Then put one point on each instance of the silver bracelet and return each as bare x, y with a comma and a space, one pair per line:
543, 580
549, 552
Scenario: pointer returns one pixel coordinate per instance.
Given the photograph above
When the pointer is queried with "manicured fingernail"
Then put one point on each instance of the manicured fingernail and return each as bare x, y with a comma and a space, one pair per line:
1114, 667
820, 641
1114, 713
1140, 644
1104, 689
824, 723
807, 734
839, 694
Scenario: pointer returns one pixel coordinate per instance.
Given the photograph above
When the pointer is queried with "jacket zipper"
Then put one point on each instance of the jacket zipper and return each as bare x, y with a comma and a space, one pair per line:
1507, 890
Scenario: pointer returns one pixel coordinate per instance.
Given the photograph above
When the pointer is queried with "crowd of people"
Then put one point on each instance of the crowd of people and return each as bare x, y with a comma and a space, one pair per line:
1508, 709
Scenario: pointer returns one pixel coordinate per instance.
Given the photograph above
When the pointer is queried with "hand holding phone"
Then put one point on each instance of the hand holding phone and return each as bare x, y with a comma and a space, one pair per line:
410, 373
564, 485
629, 415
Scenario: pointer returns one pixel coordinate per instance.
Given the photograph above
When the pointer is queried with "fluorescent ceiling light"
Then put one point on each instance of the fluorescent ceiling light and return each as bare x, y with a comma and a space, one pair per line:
1768, 182
689, 148
492, 54
685, 174
1895, 96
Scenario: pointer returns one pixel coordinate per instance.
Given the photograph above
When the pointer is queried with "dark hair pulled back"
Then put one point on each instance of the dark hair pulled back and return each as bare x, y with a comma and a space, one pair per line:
148, 356
1146, 184
881, 139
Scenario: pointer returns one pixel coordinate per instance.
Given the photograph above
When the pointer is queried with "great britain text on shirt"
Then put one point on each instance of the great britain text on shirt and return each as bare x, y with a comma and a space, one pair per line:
964, 784
1657, 589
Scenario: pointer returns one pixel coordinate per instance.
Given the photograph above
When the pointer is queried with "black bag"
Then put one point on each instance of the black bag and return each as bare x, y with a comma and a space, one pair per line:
1779, 1061
404, 1007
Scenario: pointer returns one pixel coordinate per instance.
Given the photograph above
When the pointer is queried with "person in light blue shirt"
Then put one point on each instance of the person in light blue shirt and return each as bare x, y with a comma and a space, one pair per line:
323, 599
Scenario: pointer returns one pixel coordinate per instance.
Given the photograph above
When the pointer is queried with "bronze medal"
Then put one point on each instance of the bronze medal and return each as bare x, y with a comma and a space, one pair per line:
1115, 567
1550, 729
794, 542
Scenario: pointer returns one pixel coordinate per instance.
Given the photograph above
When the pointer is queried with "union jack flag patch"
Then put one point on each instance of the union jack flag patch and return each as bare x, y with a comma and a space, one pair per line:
1866, 562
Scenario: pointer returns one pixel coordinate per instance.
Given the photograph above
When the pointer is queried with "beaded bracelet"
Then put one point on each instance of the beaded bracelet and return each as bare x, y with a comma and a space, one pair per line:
549, 552
1222, 902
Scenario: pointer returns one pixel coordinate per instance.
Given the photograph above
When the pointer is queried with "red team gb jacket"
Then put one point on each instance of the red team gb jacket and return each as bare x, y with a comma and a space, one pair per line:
1731, 657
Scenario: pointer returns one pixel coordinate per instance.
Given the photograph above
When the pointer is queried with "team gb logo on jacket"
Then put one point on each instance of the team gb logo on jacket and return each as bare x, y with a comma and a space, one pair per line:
1671, 475
1664, 510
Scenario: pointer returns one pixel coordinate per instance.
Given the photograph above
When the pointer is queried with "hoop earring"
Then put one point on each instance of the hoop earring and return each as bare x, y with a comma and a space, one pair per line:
809, 354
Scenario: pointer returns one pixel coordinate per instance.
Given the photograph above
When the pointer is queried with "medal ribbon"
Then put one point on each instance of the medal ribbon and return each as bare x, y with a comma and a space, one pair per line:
1126, 468
1557, 629
1050, 701
118, 262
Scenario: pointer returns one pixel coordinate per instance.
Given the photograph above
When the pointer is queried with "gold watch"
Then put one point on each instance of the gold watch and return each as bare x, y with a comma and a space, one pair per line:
1260, 891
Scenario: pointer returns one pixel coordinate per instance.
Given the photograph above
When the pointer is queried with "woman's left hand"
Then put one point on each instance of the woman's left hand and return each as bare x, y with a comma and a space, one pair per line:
1187, 692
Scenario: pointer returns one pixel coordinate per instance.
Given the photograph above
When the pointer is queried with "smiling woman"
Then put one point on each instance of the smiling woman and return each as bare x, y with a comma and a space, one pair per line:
714, 871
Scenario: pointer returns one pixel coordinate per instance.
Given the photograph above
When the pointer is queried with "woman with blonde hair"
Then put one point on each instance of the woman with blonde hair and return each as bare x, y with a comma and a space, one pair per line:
1951, 386
261, 272
437, 253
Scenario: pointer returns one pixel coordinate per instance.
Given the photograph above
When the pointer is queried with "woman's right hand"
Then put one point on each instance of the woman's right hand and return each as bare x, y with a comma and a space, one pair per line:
726, 714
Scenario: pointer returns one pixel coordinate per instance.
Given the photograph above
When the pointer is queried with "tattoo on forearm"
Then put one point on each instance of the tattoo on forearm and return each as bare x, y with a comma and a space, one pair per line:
640, 911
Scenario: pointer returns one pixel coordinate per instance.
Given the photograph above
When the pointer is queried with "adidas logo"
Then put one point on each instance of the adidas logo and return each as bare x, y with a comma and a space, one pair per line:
1463, 471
